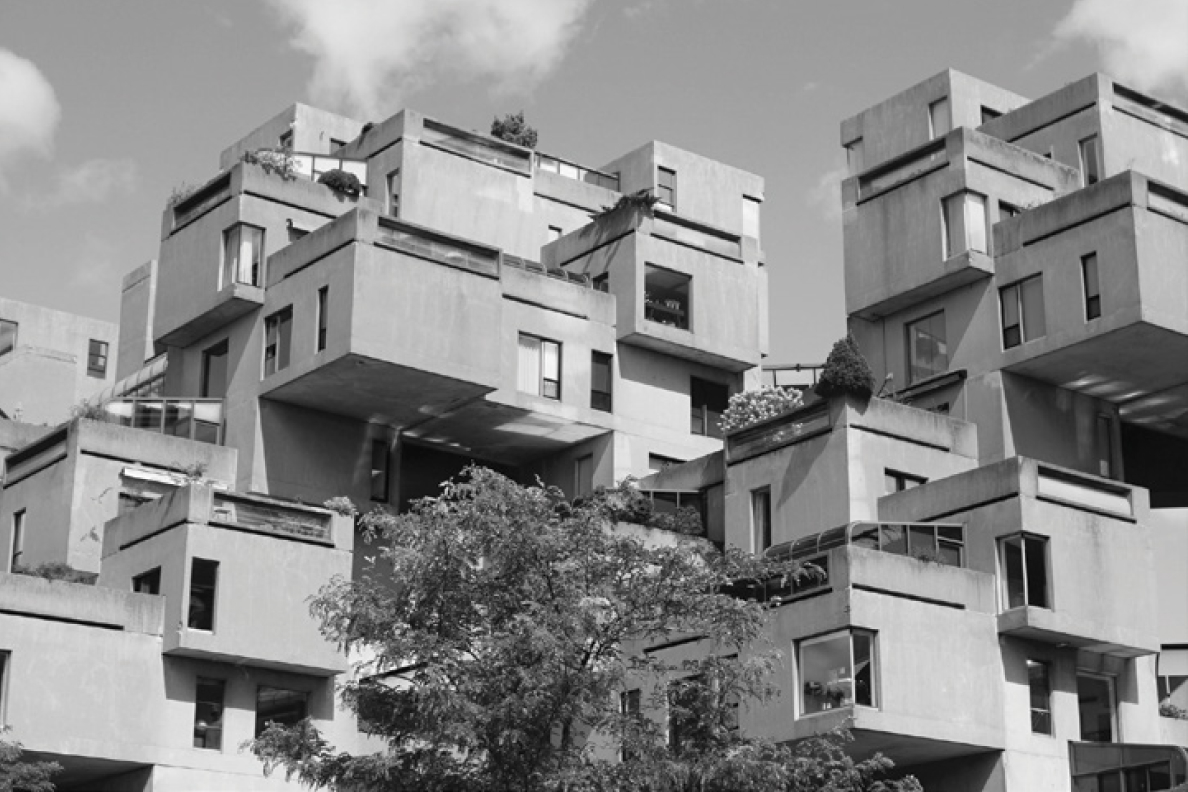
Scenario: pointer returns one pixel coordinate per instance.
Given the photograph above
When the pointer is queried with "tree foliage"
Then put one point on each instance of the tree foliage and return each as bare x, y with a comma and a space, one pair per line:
514, 129
846, 372
503, 628
17, 775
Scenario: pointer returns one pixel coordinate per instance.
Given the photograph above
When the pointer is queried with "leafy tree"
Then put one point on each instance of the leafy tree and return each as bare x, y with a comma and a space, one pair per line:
846, 372
21, 776
514, 129
501, 623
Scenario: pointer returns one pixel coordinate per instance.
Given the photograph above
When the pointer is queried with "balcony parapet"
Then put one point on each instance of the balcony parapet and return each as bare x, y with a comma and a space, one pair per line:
76, 603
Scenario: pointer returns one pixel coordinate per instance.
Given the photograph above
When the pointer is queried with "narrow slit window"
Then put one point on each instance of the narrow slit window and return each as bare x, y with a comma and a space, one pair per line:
760, 520
1040, 687
203, 584
379, 471
1092, 288
18, 539
1090, 160
323, 304
666, 187
278, 336
601, 381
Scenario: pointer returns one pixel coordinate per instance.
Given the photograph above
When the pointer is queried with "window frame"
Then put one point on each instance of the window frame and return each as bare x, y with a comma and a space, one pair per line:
210, 682
97, 357
8, 329
602, 400
1112, 689
1089, 157
194, 590
5, 672
761, 520
954, 245
381, 470
1005, 589
666, 188
16, 545
1091, 286
702, 420
1013, 296
910, 343
150, 576
543, 383
393, 183
803, 685
658, 303
1043, 723
231, 267
321, 308
278, 341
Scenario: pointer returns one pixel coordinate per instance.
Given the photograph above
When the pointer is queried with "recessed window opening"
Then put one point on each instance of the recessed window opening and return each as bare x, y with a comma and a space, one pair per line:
203, 583
1092, 288
1097, 708
1039, 686
666, 187
243, 255
837, 670
97, 358
539, 371
18, 539
940, 119
322, 318
148, 582
214, 372
928, 351
278, 338
601, 381
280, 706
760, 520
1090, 153
666, 296
707, 403
8, 336
208, 713
963, 221
1023, 311
1023, 562
379, 470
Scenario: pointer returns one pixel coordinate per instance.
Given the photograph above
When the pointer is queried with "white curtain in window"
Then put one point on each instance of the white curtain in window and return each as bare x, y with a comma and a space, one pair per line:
528, 370
550, 354
975, 222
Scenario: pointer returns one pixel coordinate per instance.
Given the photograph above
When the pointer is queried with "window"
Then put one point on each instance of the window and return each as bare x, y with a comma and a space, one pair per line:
336, 144
4, 664
601, 282
214, 372
18, 539
683, 709
837, 670
666, 186
277, 705
97, 358
243, 255
989, 114
894, 481
1095, 700
1007, 211
379, 470
1090, 160
941, 544
8, 336
203, 580
583, 476
707, 403
963, 221
760, 520
940, 120
208, 713
656, 463
394, 193
1105, 445
539, 367
630, 710
1038, 682
286, 140
1023, 311
601, 381
1092, 290
323, 304
666, 296
1172, 688
1023, 560
148, 582
554, 233
928, 352
278, 335
750, 217
855, 156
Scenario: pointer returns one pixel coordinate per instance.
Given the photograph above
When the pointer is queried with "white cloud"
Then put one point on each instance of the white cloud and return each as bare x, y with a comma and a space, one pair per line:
825, 195
29, 111
1142, 42
370, 54
92, 181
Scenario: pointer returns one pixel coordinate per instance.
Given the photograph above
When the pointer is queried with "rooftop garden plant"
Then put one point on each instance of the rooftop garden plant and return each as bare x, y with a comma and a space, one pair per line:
280, 162
754, 406
846, 372
514, 129
342, 182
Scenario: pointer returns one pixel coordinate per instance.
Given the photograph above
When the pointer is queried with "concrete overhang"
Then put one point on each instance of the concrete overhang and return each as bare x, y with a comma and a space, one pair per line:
909, 741
953, 273
232, 302
1054, 627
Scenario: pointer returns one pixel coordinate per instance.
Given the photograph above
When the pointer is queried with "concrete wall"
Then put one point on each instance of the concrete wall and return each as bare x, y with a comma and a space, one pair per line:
45, 375
137, 304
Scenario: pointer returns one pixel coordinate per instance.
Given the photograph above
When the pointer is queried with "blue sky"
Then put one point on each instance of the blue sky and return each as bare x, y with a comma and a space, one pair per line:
107, 105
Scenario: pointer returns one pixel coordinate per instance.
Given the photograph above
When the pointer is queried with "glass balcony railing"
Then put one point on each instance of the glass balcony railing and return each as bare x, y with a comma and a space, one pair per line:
576, 172
475, 147
312, 166
941, 543
193, 419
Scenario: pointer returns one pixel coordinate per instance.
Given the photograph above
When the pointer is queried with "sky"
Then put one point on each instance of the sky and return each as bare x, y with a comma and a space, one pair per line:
106, 106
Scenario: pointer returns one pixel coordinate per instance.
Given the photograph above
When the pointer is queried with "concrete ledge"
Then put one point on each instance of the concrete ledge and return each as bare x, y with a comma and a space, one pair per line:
95, 606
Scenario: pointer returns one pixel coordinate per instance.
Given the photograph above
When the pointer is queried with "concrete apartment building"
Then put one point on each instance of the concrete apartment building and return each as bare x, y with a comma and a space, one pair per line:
1004, 539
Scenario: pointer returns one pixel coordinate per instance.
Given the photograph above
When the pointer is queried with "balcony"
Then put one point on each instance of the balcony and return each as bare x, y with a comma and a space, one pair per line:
192, 419
681, 287
236, 572
1123, 347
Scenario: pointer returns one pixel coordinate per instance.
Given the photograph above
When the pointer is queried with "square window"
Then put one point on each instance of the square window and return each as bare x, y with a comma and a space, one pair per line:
837, 670
539, 371
203, 582
666, 296
963, 221
666, 187
323, 304
8, 336
97, 358
277, 705
1023, 311
601, 282
1040, 686
1023, 567
243, 255
214, 371
940, 119
760, 520
379, 470
1090, 154
928, 351
208, 713
285, 141
278, 337
601, 381
707, 402
1092, 290
148, 582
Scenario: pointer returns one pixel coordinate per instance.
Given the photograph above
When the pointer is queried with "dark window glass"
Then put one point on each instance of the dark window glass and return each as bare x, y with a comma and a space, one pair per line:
277, 705
214, 372
323, 303
601, 381
208, 713
1023, 311
278, 336
1095, 700
1024, 564
148, 583
203, 580
379, 470
97, 358
760, 520
1092, 289
1041, 697
707, 403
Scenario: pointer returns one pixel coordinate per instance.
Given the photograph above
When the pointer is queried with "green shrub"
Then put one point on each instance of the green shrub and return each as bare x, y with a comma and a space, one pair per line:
342, 182
846, 372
